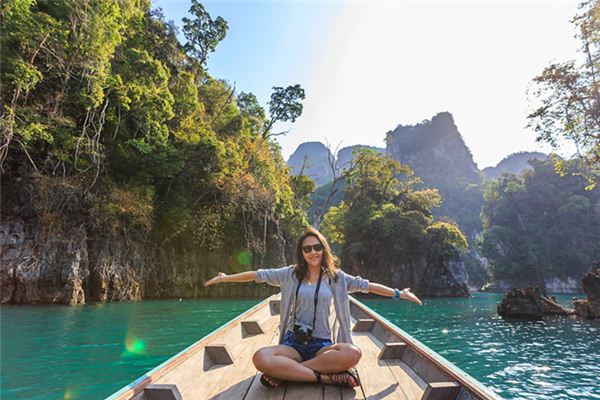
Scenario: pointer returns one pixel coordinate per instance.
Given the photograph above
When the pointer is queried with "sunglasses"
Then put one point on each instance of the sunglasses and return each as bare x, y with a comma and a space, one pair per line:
316, 247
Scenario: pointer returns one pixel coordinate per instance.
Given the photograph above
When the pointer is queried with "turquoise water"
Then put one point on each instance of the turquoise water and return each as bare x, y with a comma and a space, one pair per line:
558, 358
89, 352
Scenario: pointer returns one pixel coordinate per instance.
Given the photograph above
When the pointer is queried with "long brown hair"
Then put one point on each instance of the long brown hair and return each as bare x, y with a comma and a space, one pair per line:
329, 261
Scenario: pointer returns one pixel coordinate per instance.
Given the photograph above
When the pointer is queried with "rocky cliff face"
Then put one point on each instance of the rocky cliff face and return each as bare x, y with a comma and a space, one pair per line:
434, 149
446, 279
37, 266
312, 159
69, 265
590, 307
437, 153
71, 261
346, 155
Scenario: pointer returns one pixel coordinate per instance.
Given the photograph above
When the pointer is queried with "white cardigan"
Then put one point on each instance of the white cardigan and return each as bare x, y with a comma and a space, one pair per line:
345, 284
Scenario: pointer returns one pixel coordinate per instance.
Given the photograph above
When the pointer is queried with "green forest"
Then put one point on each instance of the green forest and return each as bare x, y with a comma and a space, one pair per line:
103, 103
112, 127
540, 225
383, 217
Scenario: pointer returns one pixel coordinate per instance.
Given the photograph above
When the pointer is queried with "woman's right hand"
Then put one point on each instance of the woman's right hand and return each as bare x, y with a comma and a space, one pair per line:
216, 279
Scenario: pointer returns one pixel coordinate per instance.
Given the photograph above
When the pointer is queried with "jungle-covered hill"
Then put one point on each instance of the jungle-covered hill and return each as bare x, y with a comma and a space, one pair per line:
129, 172
536, 243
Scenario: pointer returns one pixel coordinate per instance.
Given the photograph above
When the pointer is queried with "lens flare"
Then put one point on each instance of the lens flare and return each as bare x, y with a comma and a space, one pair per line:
72, 391
134, 347
244, 257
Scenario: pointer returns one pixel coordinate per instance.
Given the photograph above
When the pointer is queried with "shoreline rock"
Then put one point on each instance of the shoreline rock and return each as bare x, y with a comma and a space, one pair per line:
528, 303
75, 265
67, 255
589, 308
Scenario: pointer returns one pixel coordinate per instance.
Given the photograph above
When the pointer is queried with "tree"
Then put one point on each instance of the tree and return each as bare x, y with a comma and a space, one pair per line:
203, 33
251, 110
383, 221
378, 177
284, 106
570, 97
332, 192
540, 225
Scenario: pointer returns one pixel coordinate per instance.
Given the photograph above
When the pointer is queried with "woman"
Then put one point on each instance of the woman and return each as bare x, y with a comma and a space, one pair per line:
306, 352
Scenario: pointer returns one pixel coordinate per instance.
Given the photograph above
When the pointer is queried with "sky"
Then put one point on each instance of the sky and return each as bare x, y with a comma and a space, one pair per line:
369, 66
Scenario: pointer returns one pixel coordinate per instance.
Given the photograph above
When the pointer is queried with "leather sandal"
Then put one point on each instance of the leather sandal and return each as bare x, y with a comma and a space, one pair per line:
266, 383
343, 378
318, 375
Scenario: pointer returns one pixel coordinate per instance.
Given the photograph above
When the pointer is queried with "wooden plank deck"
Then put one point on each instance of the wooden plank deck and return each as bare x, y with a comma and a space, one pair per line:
381, 379
220, 366
218, 381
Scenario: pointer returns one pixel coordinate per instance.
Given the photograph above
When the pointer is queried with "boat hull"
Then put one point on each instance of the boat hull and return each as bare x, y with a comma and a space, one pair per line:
393, 365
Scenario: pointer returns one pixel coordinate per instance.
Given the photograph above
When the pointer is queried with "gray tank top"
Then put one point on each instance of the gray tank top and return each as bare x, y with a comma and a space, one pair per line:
306, 306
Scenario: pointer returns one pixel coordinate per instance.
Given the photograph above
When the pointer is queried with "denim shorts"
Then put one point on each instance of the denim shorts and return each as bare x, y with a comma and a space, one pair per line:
306, 352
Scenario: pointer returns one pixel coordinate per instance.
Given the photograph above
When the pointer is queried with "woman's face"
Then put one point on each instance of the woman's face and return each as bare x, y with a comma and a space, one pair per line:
313, 258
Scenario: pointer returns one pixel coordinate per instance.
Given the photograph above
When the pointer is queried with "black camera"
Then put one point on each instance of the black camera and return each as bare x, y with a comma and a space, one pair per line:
302, 333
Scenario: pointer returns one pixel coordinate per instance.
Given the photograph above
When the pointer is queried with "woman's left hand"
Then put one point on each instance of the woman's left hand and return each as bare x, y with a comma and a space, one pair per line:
406, 294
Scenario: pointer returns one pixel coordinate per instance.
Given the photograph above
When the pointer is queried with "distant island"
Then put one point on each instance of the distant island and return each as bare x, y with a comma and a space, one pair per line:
436, 152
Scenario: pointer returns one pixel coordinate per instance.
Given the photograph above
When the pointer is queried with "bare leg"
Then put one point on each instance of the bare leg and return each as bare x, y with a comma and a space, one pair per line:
337, 358
282, 363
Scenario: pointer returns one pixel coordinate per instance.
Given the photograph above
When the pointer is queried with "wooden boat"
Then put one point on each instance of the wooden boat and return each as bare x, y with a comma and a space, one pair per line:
394, 365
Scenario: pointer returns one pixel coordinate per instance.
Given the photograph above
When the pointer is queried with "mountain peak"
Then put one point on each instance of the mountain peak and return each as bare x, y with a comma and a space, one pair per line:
433, 145
514, 164
313, 160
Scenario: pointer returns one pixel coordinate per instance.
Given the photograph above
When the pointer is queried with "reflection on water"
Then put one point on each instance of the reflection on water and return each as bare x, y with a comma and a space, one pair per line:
89, 352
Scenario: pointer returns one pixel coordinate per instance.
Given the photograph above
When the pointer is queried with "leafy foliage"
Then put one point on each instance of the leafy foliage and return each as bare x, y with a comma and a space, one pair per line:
252, 111
101, 96
540, 224
203, 33
569, 94
285, 105
383, 220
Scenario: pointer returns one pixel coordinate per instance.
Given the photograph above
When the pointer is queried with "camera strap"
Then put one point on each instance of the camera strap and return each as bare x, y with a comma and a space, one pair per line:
316, 298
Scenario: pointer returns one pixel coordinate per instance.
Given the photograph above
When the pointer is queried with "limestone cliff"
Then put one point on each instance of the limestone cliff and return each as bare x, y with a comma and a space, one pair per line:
437, 153
71, 260
312, 159
426, 278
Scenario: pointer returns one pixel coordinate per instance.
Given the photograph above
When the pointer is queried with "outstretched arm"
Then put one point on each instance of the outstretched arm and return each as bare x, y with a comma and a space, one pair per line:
382, 290
247, 276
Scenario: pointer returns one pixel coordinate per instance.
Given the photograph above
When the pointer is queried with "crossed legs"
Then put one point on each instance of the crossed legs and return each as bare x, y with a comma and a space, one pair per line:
282, 362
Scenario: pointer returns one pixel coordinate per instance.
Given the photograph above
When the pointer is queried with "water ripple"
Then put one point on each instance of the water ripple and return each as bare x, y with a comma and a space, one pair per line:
557, 358
79, 352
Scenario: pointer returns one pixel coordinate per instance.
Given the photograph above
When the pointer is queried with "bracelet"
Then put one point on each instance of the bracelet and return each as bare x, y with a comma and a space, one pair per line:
397, 295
